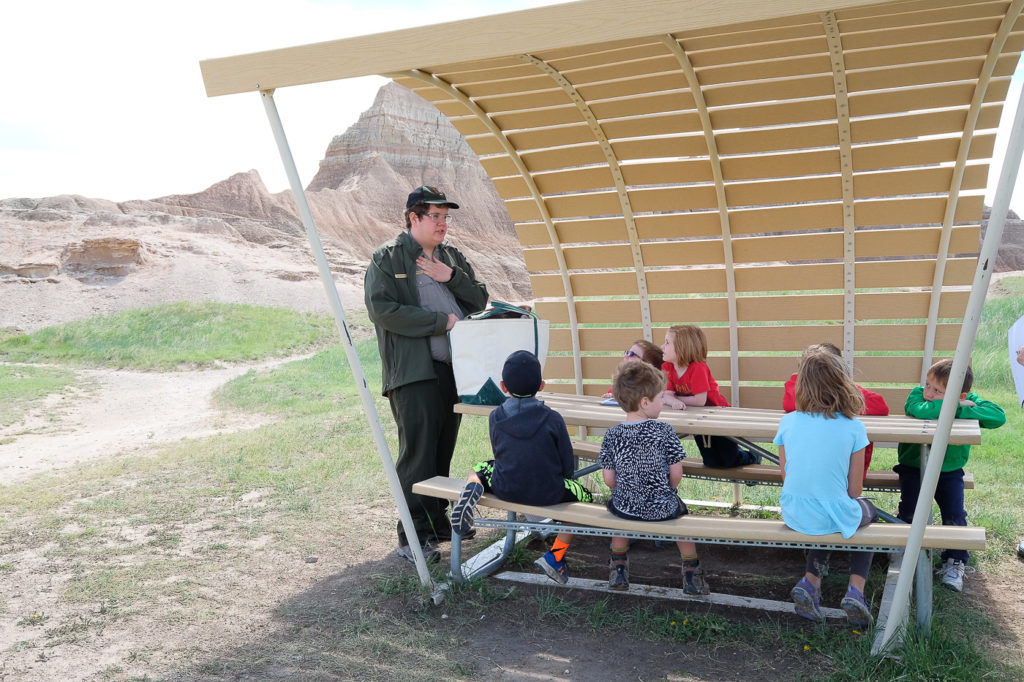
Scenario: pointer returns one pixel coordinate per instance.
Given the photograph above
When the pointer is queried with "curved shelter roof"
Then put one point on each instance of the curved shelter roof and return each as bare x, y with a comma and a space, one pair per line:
779, 172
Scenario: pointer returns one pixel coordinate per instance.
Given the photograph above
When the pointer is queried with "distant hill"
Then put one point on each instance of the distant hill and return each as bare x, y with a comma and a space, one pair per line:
70, 256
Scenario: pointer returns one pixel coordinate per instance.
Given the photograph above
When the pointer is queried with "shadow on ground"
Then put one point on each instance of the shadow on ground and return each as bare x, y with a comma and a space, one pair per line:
369, 622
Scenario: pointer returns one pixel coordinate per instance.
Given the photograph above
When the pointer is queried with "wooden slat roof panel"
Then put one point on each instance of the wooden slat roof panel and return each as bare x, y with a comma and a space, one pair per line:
653, 125
656, 103
626, 172
921, 74
535, 99
775, 113
661, 62
600, 50
806, 65
917, 181
904, 153
895, 337
751, 33
983, 26
641, 85
932, 96
749, 52
938, 51
768, 91
929, 13
915, 125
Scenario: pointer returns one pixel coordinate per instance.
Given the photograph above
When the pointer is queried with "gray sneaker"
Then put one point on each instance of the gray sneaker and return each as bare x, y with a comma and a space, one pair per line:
951, 574
618, 576
693, 581
856, 607
430, 553
807, 601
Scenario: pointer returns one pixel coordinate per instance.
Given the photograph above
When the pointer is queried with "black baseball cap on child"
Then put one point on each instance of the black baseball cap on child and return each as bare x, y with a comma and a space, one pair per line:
428, 195
521, 374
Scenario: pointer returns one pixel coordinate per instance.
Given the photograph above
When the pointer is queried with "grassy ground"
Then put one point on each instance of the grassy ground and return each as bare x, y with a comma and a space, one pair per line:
23, 386
267, 554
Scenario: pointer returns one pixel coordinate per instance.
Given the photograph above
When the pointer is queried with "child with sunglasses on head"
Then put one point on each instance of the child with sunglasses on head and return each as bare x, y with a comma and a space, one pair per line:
821, 453
642, 350
690, 383
642, 462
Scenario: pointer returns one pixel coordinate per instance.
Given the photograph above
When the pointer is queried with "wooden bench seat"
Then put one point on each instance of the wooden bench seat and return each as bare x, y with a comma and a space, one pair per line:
764, 474
749, 423
715, 529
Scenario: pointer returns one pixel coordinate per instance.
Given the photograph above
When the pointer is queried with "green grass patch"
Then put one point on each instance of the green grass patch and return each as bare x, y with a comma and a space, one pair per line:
174, 336
22, 386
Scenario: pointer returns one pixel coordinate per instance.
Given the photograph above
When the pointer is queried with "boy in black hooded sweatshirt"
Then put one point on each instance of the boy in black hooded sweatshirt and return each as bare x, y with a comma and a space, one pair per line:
533, 458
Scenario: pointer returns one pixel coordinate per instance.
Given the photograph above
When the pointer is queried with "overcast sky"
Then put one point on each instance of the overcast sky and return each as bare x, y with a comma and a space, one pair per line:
105, 98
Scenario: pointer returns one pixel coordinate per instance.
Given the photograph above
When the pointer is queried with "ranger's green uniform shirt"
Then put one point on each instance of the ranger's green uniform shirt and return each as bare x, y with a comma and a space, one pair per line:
392, 301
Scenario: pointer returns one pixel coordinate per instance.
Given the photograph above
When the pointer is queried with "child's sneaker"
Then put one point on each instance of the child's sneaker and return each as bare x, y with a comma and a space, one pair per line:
462, 512
693, 581
430, 553
952, 574
807, 601
555, 569
857, 612
618, 575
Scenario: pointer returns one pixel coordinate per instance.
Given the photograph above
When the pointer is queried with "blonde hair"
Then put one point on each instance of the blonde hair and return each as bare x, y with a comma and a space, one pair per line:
690, 343
634, 381
824, 386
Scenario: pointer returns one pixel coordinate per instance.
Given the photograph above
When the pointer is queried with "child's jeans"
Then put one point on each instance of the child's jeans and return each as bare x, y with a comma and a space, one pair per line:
949, 495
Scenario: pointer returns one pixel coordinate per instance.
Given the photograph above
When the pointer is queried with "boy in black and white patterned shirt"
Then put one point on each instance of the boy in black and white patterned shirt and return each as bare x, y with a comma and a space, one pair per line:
641, 460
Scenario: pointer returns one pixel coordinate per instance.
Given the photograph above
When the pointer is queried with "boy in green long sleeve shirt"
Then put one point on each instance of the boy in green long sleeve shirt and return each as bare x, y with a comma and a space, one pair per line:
926, 403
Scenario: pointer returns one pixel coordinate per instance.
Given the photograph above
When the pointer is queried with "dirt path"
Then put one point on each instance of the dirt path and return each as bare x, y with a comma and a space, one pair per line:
119, 411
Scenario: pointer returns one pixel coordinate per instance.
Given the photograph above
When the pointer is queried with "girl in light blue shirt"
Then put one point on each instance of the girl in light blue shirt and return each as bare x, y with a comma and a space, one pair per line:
821, 452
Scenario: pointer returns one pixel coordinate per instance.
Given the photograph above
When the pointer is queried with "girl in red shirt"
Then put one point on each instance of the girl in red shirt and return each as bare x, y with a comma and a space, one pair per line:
690, 383
874, 404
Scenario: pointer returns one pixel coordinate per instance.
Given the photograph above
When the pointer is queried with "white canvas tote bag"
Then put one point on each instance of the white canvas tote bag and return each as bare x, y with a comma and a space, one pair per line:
481, 342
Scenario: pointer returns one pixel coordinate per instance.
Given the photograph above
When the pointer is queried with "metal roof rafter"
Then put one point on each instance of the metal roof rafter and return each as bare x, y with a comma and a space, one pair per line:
620, 184
835, 51
723, 207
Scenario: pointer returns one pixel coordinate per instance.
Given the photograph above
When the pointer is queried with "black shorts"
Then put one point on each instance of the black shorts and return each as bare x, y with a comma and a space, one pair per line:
681, 511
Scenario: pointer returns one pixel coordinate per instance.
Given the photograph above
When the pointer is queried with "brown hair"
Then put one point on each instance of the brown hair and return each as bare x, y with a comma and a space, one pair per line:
690, 343
652, 354
941, 370
824, 386
634, 381
830, 347
418, 209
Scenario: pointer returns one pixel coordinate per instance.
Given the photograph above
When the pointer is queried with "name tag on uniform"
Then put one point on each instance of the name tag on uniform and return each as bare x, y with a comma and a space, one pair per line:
400, 275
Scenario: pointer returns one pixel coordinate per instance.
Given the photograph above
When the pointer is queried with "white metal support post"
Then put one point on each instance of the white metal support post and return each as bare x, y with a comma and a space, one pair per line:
964, 346
350, 350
